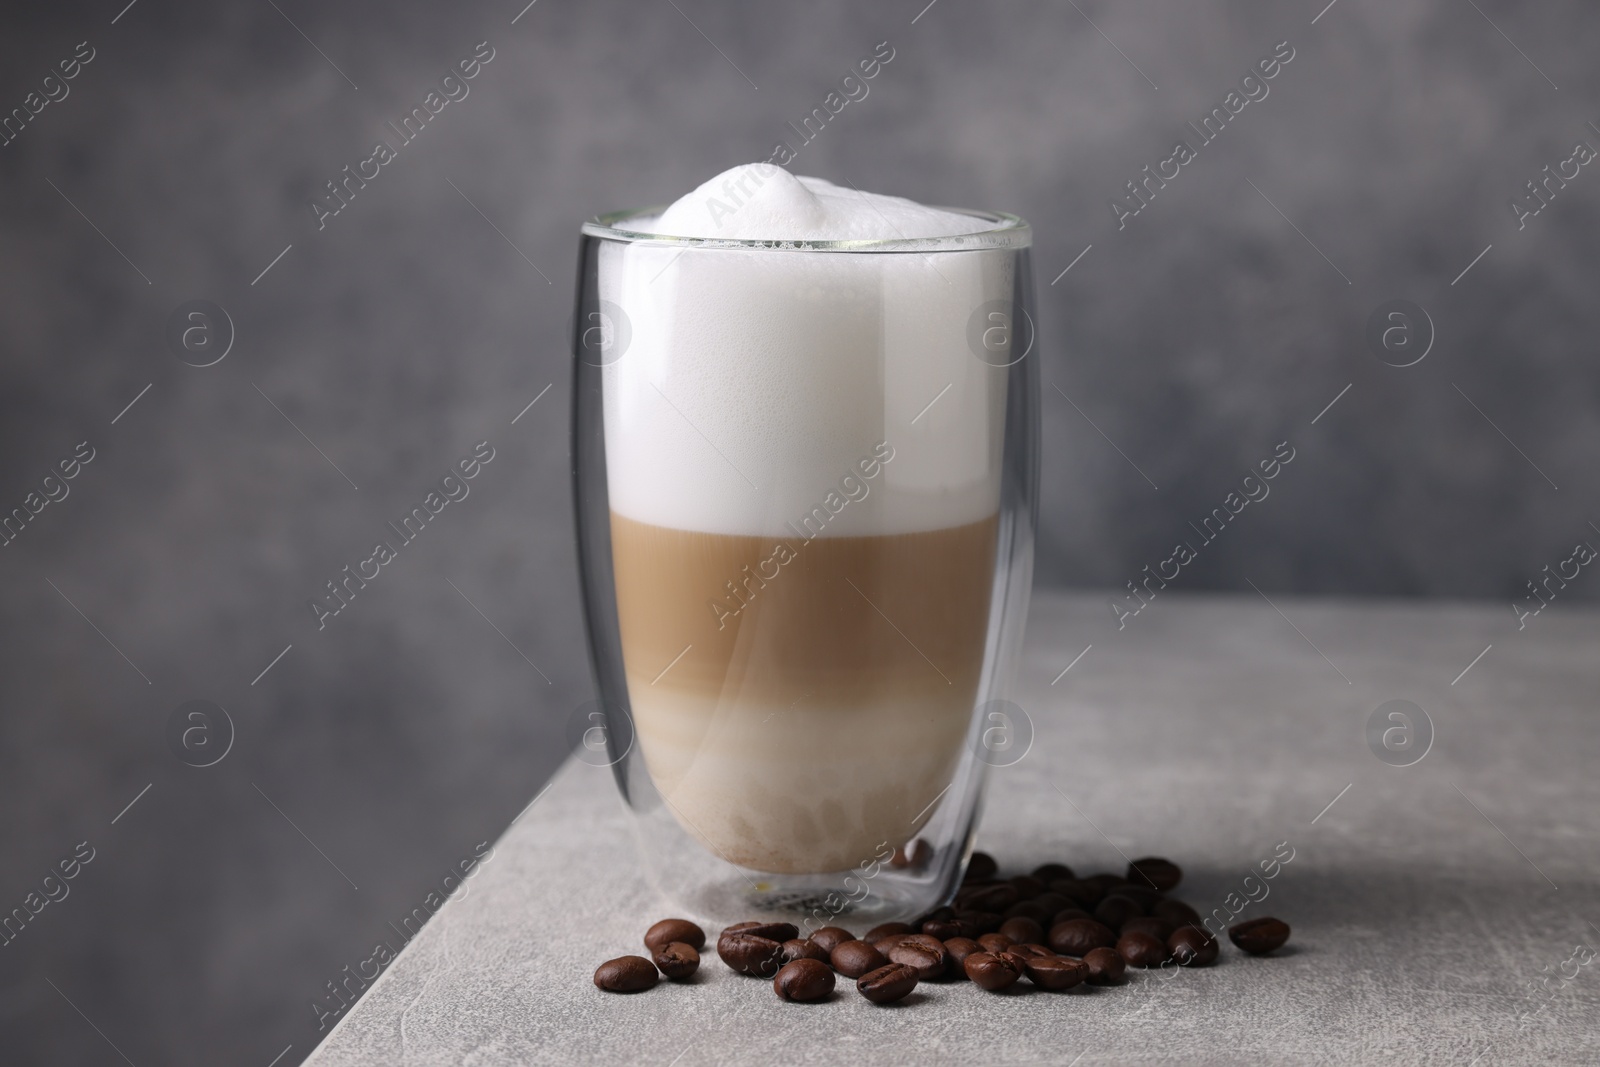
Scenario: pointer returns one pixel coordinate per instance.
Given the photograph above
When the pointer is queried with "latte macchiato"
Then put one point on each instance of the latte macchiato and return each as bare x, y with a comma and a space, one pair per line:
803, 468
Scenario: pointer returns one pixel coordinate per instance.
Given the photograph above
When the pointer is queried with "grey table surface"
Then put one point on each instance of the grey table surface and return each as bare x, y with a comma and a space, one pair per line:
1443, 912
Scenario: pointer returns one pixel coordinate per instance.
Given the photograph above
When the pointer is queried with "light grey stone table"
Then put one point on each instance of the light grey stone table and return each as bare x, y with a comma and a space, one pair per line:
1426, 900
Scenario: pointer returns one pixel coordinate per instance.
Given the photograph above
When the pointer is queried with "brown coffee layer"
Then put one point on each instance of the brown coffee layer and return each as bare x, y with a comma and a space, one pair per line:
810, 714
771, 620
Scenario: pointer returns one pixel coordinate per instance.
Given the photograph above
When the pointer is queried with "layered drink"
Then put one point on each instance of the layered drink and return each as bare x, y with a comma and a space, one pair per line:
803, 456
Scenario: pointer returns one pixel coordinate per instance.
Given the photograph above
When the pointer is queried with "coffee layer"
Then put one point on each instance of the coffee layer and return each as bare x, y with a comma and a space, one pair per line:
800, 703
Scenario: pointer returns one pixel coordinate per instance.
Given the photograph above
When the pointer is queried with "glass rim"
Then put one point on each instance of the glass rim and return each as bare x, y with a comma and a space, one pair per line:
1005, 230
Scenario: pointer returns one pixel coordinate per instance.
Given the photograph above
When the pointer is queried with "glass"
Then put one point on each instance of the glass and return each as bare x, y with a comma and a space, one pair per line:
805, 478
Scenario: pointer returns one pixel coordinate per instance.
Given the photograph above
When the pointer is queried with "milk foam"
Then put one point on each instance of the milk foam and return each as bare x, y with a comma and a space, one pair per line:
759, 201
754, 380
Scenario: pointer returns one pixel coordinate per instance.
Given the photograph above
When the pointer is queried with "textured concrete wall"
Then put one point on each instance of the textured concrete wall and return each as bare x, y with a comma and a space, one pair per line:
427, 314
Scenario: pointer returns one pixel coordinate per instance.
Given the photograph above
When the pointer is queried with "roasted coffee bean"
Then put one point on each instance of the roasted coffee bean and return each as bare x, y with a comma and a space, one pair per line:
945, 929
886, 929
803, 980
1176, 912
750, 954
1142, 950
803, 949
669, 930
997, 897
1084, 894
1157, 928
927, 962
1104, 882
1028, 886
1030, 909
626, 974
885, 985
1022, 929
993, 972
956, 950
1159, 873
677, 960
916, 854
1106, 967
1116, 910
936, 915
1051, 902
831, 937
1076, 937
979, 922
1137, 892
1259, 936
1067, 915
1192, 947
996, 942
981, 867
883, 944
1030, 951
779, 932
1049, 872
855, 958
1055, 972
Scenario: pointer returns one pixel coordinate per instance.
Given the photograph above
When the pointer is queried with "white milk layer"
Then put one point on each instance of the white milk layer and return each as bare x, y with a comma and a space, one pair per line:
745, 387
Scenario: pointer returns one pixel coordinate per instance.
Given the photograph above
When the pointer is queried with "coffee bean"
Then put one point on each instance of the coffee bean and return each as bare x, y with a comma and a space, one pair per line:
1137, 892
981, 867
1082, 893
1158, 928
1022, 929
669, 930
996, 942
936, 915
1259, 936
979, 922
1142, 950
1030, 909
855, 958
803, 980
831, 937
1030, 951
920, 958
1104, 882
750, 954
883, 943
1049, 872
916, 854
992, 972
887, 984
803, 949
886, 929
626, 974
1192, 947
956, 950
1050, 902
1116, 910
1106, 967
1028, 886
1076, 937
1159, 873
1176, 912
997, 897
1055, 972
677, 960
779, 932
944, 929
1067, 915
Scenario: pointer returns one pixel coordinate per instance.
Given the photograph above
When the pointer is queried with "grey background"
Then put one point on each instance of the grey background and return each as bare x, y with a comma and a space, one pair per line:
410, 730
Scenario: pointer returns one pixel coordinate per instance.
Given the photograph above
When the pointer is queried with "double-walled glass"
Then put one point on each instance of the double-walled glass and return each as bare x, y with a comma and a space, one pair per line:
805, 477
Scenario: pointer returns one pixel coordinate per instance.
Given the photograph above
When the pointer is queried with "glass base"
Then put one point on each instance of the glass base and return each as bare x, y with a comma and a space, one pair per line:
812, 901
